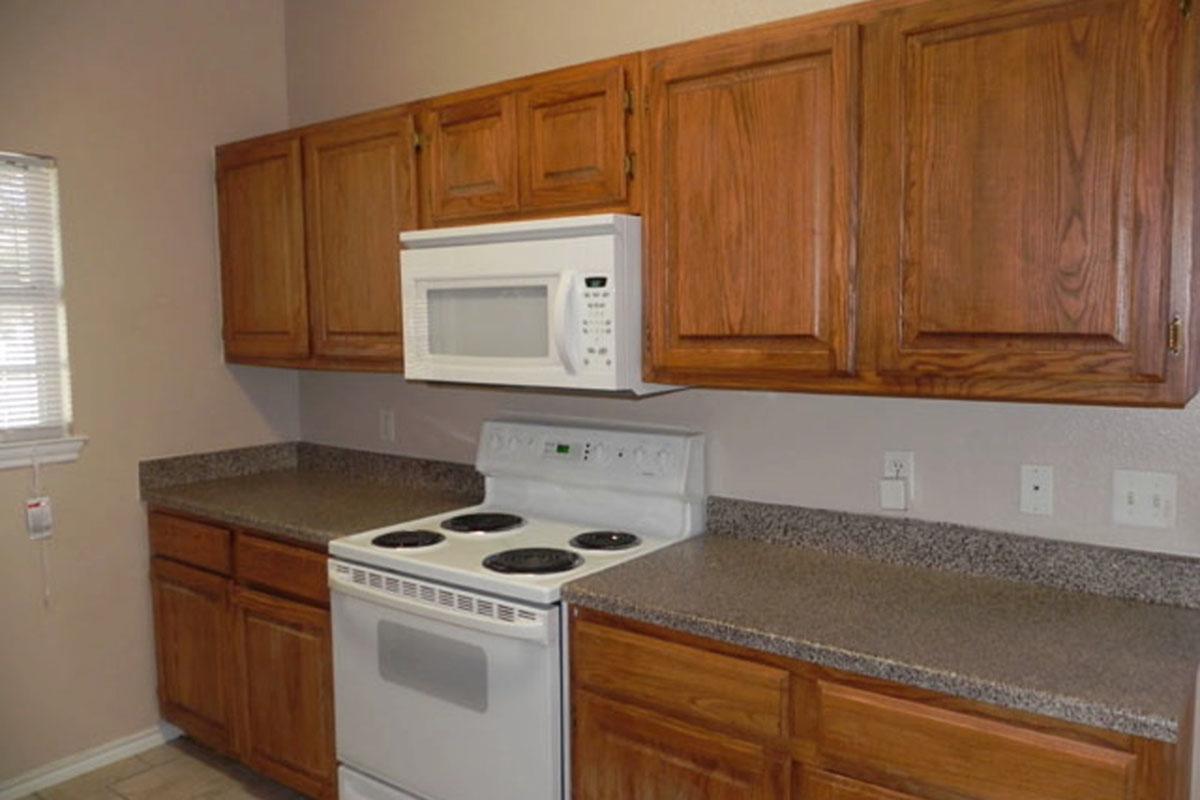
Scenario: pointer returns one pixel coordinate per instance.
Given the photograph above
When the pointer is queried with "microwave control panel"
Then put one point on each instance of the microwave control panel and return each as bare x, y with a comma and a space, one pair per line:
596, 322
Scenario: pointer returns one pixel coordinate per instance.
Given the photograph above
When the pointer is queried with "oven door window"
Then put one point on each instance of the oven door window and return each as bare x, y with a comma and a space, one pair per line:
437, 666
490, 321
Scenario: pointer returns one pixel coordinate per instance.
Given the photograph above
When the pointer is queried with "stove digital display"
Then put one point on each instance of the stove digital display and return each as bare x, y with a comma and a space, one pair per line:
566, 451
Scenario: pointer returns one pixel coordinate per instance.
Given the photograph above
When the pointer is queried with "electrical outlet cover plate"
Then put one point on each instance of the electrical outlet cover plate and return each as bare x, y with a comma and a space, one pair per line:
1037, 489
1144, 499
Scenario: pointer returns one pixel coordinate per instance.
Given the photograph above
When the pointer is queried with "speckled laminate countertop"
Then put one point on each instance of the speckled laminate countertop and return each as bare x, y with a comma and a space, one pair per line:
1111, 663
307, 493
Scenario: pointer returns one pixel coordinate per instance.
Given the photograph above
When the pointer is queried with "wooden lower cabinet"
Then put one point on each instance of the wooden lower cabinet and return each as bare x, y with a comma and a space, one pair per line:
621, 751
248, 672
192, 629
668, 732
286, 680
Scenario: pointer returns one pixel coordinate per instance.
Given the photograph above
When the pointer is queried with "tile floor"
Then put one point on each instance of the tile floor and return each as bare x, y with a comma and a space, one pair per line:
179, 770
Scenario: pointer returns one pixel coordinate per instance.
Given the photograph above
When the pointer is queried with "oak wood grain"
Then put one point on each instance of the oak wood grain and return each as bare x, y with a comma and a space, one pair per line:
470, 161
1032, 148
360, 189
751, 204
622, 751
261, 221
573, 137
704, 686
193, 627
191, 542
282, 568
285, 678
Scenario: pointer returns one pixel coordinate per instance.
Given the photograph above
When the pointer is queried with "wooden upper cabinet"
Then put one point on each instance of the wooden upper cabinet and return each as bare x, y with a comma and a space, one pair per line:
1023, 229
360, 192
471, 158
573, 137
750, 214
260, 204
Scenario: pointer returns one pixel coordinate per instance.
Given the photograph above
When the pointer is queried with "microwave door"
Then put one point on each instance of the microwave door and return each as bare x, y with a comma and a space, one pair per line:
493, 330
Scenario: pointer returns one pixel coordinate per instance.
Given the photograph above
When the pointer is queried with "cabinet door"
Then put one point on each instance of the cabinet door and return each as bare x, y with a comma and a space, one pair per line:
360, 192
751, 207
192, 630
622, 751
1021, 222
260, 206
572, 139
471, 159
286, 677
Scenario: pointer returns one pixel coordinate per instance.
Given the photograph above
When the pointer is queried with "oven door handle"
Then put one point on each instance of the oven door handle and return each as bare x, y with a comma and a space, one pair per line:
564, 321
538, 632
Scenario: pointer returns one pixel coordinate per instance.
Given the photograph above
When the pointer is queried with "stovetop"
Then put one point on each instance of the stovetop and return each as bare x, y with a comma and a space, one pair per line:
496, 550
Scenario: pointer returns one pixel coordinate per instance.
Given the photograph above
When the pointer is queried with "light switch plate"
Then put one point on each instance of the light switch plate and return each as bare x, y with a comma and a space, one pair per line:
1144, 499
893, 494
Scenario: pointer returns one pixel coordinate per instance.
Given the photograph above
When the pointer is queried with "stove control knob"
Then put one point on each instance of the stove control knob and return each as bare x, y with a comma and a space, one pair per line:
495, 442
641, 458
662, 460
599, 453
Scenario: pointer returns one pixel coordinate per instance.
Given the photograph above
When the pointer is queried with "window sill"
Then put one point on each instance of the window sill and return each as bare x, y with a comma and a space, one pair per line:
48, 451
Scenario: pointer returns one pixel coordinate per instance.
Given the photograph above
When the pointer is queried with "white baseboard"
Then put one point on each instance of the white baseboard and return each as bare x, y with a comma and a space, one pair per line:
72, 766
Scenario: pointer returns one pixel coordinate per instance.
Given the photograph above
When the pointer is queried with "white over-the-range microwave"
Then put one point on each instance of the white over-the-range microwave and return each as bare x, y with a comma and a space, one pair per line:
549, 303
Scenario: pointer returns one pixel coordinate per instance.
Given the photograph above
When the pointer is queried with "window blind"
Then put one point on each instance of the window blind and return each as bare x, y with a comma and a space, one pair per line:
35, 393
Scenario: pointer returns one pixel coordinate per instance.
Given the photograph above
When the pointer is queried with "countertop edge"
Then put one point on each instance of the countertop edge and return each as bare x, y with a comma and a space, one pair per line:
1061, 707
302, 536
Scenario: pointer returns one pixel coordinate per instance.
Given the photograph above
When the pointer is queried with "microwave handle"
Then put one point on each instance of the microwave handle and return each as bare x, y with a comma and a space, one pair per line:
564, 321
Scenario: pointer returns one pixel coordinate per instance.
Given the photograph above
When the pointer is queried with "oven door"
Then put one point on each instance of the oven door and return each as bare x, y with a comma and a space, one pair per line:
443, 693
513, 313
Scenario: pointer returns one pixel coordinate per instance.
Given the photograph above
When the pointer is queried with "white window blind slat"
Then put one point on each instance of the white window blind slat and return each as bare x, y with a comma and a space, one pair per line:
35, 387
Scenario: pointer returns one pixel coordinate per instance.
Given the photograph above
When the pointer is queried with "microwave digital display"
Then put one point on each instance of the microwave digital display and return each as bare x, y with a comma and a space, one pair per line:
595, 283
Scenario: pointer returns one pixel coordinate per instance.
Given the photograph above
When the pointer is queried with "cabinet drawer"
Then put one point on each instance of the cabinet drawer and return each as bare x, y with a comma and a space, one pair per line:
923, 749
814, 785
683, 680
283, 568
191, 542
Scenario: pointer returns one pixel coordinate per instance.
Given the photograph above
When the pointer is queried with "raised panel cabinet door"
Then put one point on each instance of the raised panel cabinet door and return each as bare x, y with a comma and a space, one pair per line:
572, 139
360, 192
471, 160
620, 752
1022, 219
750, 219
193, 623
261, 219
286, 676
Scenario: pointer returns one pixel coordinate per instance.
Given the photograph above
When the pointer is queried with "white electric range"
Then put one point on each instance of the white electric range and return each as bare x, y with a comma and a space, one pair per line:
449, 637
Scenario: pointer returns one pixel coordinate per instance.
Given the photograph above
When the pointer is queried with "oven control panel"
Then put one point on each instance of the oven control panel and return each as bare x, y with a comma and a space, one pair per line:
644, 459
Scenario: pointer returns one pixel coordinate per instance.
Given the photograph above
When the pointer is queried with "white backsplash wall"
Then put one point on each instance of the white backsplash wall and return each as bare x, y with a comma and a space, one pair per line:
827, 451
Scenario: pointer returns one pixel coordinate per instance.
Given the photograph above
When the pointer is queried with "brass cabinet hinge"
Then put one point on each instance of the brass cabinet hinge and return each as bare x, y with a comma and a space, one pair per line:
1175, 336
416, 140
629, 164
628, 101
1185, 7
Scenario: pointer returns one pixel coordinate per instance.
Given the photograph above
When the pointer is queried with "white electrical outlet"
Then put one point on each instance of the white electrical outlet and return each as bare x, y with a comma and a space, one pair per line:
387, 425
898, 487
1144, 499
1037, 489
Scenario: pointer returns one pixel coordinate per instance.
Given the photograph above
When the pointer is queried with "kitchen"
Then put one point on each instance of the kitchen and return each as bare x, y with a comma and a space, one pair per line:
131, 98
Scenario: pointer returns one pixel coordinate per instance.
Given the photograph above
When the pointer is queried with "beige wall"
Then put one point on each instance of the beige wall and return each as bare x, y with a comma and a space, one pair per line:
815, 451
131, 96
